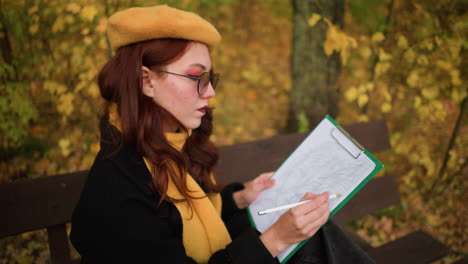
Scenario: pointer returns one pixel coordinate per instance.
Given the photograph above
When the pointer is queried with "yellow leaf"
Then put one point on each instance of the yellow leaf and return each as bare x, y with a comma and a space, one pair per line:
314, 18
365, 52
459, 95
378, 37
402, 42
87, 40
64, 145
428, 44
69, 19
93, 90
430, 93
381, 68
65, 103
250, 95
330, 42
73, 7
445, 65
359, 73
383, 56
387, 95
386, 107
409, 55
433, 220
413, 79
369, 86
351, 94
336, 40
362, 88
33, 10
212, 101
88, 13
102, 26
422, 60
417, 102
363, 118
95, 147
455, 77
34, 28
54, 87
362, 100
58, 25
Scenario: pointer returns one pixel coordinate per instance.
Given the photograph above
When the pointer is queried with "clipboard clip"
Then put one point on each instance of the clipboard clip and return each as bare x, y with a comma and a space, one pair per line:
354, 149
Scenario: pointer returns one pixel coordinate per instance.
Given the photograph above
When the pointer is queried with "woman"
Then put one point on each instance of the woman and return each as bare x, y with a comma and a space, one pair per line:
150, 196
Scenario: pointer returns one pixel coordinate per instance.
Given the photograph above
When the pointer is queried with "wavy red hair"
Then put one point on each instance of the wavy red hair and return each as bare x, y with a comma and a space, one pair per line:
120, 83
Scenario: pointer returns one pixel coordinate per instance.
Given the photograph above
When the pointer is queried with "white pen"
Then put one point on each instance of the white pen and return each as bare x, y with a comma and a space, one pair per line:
288, 206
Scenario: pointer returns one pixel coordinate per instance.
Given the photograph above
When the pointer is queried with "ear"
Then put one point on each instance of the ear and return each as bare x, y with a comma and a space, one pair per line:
147, 84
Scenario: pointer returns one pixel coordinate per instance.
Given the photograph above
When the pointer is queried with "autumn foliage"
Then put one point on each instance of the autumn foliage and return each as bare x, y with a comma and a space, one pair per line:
404, 61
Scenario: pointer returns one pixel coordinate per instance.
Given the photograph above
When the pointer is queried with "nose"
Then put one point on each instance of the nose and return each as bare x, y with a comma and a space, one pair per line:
210, 92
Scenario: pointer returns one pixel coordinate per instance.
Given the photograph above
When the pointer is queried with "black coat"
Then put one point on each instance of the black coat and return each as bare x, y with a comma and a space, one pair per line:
117, 221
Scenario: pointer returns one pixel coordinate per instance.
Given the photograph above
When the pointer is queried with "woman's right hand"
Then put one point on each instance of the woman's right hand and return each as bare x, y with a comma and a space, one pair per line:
297, 224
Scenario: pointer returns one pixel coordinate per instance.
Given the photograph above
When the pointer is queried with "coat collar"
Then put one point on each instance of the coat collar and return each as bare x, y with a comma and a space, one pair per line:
127, 159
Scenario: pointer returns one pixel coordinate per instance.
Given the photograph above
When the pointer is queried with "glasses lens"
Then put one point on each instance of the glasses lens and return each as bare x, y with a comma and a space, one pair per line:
214, 80
203, 82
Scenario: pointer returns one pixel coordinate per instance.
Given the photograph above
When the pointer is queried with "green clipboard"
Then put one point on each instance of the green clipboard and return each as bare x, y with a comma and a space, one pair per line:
328, 159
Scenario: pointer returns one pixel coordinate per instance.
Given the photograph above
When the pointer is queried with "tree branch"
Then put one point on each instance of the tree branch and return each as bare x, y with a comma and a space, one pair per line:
450, 146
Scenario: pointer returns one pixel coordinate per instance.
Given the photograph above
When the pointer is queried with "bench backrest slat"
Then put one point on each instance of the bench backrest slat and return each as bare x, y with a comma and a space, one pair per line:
35, 204
379, 193
242, 162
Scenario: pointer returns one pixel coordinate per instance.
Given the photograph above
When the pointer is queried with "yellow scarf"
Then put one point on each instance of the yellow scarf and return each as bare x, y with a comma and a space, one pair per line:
203, 231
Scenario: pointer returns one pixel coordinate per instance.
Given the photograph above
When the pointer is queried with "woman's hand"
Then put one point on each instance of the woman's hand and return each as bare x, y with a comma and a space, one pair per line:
297, 224
253, 189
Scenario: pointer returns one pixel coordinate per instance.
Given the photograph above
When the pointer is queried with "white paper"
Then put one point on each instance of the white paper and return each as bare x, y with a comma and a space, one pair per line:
322, 163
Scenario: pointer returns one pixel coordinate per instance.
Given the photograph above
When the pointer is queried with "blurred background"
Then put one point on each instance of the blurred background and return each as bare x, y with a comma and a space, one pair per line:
284, 65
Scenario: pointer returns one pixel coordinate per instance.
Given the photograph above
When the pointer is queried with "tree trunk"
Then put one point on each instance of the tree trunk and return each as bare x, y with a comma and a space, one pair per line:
314, 92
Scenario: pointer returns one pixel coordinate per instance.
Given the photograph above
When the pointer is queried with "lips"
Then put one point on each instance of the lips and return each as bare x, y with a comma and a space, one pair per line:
202, 110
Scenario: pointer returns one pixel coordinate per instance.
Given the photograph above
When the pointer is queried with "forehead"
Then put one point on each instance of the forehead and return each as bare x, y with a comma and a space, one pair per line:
196, 56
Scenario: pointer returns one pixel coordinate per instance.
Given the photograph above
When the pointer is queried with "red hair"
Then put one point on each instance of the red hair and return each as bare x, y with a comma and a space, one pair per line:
120, 82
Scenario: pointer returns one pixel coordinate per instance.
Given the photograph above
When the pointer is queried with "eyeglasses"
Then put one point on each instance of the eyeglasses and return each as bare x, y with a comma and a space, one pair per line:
203, 80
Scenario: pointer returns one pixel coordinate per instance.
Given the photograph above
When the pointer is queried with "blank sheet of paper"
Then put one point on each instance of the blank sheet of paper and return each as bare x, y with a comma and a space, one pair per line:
324, 162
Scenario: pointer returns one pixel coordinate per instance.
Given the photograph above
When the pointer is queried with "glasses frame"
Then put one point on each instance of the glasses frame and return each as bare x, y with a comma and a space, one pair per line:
213, 79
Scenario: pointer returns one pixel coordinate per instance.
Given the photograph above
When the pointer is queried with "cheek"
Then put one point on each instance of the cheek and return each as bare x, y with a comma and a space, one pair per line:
186, 95
178, 99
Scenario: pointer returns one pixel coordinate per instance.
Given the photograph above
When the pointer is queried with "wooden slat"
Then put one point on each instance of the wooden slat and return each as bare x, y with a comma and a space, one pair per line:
356, 239
58, 244
377, 194
462, 261
39, 203
372, 135
415, 248
242, 162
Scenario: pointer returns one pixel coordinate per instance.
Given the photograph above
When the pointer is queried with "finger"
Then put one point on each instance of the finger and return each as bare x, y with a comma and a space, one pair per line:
316, 222
319, 214
264, 177
264, 181
315, 202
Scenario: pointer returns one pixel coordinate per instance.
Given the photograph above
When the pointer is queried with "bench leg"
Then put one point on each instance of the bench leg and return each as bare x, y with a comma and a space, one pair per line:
58, 244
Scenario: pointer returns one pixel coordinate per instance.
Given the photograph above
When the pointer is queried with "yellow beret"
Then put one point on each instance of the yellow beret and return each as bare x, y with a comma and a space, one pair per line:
145, 23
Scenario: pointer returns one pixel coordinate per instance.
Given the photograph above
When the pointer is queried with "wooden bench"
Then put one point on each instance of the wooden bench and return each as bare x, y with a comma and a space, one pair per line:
48, 202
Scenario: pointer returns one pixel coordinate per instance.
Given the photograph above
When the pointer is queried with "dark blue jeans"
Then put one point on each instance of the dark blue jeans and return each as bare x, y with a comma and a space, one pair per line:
330, 246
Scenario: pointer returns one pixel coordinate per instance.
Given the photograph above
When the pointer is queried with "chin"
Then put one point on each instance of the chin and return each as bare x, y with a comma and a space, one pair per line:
193, 124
